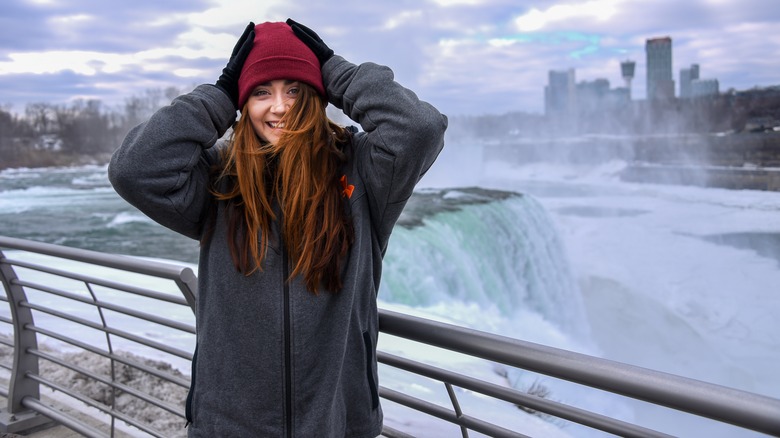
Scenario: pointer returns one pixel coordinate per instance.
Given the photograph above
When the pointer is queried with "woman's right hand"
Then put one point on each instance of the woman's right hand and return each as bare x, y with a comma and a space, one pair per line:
228, 80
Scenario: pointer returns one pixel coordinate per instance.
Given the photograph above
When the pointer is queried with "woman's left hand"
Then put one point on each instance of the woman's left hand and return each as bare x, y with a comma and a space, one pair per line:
312, 40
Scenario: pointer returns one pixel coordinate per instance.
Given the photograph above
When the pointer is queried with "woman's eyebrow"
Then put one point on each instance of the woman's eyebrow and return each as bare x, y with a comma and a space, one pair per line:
286, 82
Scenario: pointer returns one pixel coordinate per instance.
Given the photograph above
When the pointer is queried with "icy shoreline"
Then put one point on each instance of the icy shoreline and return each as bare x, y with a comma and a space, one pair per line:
123, 402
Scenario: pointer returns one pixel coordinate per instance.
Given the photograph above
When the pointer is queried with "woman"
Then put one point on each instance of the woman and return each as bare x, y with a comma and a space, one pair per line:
294, 215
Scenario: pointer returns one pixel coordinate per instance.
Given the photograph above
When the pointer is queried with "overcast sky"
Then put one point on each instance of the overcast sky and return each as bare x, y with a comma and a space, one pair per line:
464, 56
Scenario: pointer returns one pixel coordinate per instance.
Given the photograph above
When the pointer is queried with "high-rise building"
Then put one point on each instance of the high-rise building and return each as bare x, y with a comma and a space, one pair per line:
560, 93
687, 75
660, 85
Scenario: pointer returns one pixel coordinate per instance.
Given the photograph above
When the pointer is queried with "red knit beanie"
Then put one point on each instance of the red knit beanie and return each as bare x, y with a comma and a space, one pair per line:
278, 54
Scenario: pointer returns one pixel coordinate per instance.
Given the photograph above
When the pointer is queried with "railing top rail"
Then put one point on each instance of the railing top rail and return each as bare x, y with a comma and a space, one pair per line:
741, 408
136, 265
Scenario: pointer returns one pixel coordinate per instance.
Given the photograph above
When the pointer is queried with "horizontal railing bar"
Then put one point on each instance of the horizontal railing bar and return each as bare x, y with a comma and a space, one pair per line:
121, 333
110, 306
447, 415
61, 418
129, 362
511, 395
97, 405
741, 408
100, 282
105, 380
6, 342
139, 266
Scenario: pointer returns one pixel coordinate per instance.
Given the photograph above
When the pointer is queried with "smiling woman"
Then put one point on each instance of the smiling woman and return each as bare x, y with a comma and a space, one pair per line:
293, 213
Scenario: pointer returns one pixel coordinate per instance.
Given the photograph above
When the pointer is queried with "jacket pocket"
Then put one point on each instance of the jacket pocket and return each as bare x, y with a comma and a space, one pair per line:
370, 370
188, 404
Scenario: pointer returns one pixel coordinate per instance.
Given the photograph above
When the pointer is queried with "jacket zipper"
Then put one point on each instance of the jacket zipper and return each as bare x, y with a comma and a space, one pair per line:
190, 393
287, 346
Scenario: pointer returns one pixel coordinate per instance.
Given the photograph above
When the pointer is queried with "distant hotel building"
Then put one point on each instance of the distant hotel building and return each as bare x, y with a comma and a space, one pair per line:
660, 85
705, 87
560, 93
691, 86
688, 75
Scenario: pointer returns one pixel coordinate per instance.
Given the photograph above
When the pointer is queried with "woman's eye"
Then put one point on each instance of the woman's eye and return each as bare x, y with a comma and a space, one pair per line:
293, 91
261, 92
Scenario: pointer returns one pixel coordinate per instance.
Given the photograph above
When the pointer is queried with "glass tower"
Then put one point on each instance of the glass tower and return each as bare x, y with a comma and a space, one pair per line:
660, 85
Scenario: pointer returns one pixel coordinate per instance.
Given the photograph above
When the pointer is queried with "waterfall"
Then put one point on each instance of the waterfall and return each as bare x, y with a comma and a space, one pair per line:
493, 250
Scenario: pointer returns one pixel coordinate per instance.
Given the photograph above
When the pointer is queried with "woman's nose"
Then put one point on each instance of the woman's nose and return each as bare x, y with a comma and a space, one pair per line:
280, 106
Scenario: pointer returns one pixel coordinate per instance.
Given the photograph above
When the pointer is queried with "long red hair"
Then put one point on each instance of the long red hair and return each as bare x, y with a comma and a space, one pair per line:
300, 173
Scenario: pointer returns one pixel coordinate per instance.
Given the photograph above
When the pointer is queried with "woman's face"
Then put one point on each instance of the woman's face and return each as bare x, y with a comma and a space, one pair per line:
267, 104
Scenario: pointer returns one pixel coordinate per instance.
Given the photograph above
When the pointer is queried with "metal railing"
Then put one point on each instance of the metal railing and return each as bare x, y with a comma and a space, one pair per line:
75, 300
44, 282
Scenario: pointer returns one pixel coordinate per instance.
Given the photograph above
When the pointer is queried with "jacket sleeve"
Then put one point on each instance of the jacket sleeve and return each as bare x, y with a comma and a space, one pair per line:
162, 166
403, 135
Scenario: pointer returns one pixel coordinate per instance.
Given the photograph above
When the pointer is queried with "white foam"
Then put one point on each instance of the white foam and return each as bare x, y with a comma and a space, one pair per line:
125, 218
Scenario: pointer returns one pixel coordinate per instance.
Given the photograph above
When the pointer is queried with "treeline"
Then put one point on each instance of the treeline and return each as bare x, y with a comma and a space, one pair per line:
83, 132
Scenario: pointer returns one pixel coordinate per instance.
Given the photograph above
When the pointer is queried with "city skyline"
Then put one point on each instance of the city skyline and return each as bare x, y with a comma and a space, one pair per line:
564, 94
464, 56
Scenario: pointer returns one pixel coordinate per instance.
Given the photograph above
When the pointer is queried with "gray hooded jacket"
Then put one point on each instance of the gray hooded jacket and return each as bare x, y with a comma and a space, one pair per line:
273, 359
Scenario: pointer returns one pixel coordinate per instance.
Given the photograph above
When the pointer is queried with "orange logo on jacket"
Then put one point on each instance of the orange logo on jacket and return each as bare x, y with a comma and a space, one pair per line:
348, 188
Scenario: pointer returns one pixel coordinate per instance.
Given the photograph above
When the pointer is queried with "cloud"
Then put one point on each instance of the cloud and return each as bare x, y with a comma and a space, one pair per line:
466, 56
489, 76
234, 14
536, 19
448, 3
403, 18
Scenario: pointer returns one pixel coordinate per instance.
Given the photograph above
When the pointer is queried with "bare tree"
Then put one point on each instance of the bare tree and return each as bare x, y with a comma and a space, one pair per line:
84, 128
40, 116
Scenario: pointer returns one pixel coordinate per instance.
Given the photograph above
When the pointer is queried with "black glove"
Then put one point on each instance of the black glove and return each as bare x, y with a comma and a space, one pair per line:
228, 80
311, 39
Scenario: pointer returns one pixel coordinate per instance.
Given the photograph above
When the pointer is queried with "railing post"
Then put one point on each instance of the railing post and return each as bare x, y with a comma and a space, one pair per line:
15, 418
188, 285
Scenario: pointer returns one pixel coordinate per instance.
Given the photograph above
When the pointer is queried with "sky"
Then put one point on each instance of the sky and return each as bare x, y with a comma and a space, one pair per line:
467, 57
